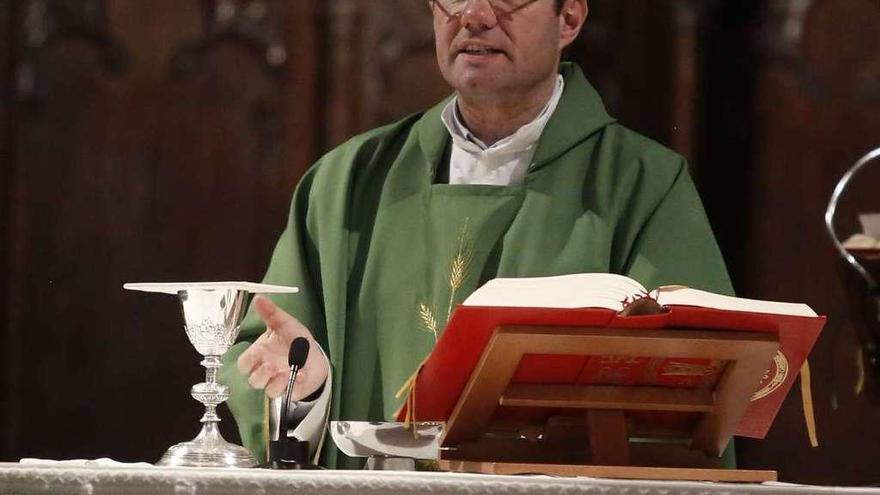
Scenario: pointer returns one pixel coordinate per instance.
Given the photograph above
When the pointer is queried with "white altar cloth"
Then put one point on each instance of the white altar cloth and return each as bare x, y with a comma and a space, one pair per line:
26, 480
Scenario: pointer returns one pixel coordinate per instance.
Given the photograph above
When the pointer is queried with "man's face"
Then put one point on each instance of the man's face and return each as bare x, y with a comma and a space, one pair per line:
484, 52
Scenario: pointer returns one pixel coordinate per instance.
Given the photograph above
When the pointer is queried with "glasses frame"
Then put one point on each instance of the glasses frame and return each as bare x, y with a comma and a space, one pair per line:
496, 9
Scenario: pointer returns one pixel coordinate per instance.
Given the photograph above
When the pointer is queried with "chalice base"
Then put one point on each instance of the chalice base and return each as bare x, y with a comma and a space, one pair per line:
208, 449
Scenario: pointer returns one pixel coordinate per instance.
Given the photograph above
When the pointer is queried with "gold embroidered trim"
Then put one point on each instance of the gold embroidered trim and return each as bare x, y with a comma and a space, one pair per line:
459, 268
779, 371
429, 322
461, 265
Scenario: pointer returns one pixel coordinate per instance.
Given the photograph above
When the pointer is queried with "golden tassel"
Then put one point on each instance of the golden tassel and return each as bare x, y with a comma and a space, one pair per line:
411, 412
409, 388
266, 432
860, 367
807, 398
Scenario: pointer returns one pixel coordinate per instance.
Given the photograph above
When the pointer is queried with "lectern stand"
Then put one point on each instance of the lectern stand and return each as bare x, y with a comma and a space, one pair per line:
587, 430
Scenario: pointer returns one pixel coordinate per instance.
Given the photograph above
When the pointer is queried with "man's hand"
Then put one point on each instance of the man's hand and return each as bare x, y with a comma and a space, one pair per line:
265, 362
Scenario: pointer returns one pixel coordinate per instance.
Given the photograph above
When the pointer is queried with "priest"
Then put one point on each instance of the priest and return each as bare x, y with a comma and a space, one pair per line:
520, 173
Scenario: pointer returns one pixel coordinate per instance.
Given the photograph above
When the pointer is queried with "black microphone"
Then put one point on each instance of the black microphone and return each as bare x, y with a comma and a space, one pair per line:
288, 452
296, 358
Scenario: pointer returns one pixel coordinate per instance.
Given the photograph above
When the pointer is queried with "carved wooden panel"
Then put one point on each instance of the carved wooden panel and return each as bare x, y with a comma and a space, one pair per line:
254, 23
817, 110
44, 22
641, 56
140, 174
383, 65
617, 62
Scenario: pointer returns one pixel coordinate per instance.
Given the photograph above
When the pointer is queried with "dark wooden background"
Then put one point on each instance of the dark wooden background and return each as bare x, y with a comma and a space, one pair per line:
161, 140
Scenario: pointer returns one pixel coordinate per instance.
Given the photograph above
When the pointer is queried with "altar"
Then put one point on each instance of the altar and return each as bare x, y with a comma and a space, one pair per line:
64, 479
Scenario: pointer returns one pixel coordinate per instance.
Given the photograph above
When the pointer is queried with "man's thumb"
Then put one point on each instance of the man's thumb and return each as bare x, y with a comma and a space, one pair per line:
275, 318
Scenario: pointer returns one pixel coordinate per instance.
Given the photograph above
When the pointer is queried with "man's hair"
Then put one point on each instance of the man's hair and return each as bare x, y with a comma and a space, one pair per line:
559, 4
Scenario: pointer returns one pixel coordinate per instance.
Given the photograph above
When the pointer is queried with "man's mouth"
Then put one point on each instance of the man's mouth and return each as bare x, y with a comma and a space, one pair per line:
480, 50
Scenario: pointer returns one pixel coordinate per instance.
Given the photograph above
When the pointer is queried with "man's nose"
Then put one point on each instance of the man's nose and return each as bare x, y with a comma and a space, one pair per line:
478, 15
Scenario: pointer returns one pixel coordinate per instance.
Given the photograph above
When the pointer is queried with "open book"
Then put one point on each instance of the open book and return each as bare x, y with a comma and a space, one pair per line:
601, 301
614, 292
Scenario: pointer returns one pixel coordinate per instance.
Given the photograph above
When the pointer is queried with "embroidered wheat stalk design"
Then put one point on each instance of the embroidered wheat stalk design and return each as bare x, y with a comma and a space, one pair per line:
429, 322
461, 264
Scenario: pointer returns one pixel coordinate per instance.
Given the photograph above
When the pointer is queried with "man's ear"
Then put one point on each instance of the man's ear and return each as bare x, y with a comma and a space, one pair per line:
571, 19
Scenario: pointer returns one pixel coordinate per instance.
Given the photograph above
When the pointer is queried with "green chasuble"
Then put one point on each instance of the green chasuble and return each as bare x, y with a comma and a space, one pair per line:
383, 253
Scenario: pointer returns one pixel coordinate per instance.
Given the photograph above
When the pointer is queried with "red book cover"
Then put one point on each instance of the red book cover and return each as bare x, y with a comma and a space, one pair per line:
445, 373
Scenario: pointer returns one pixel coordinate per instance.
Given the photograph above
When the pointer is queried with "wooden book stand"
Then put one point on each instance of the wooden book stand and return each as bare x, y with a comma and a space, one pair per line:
593, 437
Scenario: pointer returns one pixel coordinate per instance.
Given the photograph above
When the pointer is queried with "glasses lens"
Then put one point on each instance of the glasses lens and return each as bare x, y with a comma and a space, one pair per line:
455, 7
508, 5
452, 6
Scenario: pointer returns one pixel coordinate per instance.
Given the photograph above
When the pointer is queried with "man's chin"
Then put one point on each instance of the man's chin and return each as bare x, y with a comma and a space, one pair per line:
478, 82
475, 89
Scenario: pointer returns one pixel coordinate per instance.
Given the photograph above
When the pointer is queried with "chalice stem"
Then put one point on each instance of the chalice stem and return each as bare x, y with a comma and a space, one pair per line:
210, 393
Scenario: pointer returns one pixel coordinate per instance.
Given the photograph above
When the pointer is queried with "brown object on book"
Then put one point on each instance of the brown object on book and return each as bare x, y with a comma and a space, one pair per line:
602, 442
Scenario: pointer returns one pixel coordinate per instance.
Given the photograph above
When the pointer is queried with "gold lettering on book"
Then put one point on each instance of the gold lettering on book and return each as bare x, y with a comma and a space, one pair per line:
686, 369
683, 369
612, 375
651, 370
609, 360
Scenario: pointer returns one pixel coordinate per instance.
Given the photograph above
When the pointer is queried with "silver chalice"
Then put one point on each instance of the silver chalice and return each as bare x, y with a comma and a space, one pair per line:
212, 312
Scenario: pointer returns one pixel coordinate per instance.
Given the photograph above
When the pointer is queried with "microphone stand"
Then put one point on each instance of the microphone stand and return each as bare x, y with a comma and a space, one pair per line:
287, 452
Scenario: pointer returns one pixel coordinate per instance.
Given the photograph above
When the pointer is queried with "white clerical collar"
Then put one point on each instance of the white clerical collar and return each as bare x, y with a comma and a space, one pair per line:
524, 138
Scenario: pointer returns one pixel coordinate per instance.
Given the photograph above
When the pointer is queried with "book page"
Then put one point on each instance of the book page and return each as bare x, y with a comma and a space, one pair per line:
582, 290
683, 296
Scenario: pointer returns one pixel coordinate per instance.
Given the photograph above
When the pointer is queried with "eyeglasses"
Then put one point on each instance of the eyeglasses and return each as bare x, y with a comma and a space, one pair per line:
504, 7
